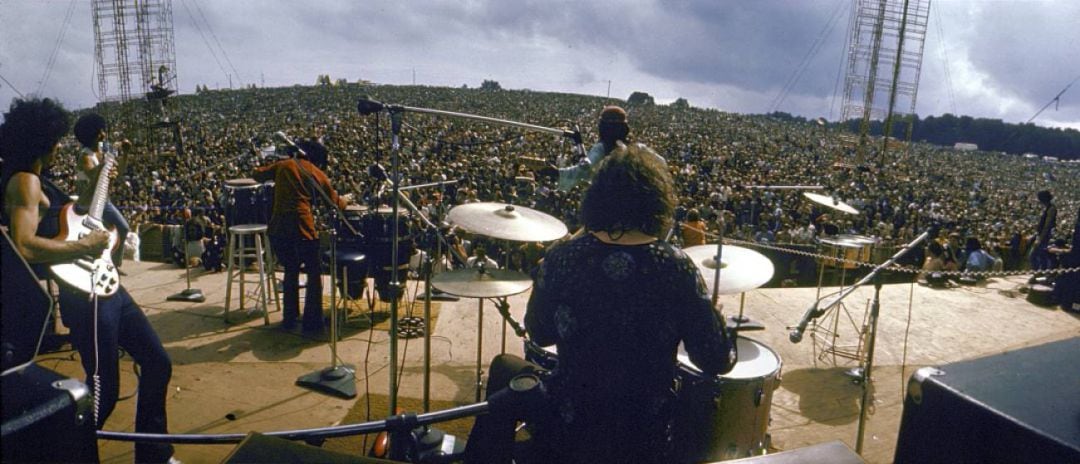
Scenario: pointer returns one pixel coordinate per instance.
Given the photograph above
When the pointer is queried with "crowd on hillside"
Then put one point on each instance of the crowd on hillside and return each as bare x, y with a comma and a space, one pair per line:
716, 158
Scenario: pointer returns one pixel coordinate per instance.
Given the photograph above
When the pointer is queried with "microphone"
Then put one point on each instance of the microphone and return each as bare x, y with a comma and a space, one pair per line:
280, 135
811, 314
366, 105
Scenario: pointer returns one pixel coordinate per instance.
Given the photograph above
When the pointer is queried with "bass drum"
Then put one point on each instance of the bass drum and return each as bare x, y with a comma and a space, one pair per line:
727, 416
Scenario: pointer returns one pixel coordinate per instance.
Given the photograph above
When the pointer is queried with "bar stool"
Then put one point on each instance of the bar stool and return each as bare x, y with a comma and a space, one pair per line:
237, 253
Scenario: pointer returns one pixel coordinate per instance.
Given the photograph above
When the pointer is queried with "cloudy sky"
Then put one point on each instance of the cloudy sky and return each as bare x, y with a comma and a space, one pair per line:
1001, 59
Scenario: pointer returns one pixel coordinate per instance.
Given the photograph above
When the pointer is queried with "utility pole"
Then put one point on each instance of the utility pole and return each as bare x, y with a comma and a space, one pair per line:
609, 88
413, 76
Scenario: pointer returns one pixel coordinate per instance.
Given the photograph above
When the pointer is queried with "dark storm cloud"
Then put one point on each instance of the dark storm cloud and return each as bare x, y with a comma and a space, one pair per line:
1030, 52
1006, 58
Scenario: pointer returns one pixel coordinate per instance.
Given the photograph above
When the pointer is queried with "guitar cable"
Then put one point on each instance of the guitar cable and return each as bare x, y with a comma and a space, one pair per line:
96, 375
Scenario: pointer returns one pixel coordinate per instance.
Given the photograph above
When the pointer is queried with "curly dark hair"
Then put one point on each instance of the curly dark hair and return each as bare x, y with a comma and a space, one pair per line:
631, 189
31, 128
88, 127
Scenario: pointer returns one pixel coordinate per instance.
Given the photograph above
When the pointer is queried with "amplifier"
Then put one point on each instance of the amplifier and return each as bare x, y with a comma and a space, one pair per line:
47, 418
1015, 407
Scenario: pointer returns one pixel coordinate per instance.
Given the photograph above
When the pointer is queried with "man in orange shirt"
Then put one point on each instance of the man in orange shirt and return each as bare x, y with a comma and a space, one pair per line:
693, 230
293, 236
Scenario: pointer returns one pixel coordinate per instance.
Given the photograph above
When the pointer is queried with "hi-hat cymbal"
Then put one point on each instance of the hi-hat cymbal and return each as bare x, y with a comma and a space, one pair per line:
837, 241
860, 239
830, 202
741, 269
477, 283
507, 222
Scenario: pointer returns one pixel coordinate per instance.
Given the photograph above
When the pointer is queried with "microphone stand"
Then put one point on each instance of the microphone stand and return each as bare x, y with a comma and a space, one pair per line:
190, 295
338, 379
875, 308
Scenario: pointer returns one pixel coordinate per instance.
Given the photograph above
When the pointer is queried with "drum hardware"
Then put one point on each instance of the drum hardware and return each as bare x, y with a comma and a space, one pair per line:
870, 330
747, 270
366, 106
482, 283
825, 335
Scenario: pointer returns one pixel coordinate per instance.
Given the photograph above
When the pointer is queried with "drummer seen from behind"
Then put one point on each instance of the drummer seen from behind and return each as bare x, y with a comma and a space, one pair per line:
616, 302
293, 235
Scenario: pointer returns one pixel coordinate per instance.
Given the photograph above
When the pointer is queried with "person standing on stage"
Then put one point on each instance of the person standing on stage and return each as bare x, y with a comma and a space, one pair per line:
91, 131
616, 301
29, 139
1044, 233
613, 128
294, 239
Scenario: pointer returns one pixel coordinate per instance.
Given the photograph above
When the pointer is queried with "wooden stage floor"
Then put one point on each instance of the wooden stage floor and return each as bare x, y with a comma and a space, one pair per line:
240, 377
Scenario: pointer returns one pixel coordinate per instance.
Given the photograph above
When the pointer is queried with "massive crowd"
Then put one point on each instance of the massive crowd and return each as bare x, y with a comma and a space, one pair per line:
714, 156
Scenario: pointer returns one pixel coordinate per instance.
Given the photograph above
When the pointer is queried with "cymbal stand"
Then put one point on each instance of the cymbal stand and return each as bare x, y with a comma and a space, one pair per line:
428, 271
368, 106
828, 337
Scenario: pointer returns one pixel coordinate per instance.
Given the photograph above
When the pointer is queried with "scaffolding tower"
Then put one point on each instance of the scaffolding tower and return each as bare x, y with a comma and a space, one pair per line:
884, 59
133, 48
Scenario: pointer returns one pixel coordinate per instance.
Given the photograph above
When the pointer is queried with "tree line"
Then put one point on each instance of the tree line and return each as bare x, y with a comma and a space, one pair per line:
988, 134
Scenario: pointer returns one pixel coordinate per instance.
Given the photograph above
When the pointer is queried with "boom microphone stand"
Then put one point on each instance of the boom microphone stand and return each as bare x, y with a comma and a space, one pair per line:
367, 106
875, 308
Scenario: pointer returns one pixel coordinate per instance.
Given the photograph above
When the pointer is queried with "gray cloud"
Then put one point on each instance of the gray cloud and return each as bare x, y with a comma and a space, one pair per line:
1006, 58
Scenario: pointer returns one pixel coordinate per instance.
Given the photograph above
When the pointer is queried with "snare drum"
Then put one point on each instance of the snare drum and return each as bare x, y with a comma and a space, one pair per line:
726, 416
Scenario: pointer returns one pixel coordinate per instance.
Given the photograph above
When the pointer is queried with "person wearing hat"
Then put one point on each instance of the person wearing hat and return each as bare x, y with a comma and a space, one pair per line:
298, 183
613, 128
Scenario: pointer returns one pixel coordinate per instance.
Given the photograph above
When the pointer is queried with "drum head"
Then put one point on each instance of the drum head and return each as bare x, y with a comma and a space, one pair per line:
241, 183
755, 360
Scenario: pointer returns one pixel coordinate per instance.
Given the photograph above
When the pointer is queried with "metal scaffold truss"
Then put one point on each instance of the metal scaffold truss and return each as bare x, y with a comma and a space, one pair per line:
134, 49
884, 61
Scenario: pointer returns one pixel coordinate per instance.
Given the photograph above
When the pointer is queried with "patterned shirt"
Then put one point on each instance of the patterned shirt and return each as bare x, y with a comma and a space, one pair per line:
617, 314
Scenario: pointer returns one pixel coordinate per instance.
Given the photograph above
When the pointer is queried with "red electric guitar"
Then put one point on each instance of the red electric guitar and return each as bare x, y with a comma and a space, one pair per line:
91, 274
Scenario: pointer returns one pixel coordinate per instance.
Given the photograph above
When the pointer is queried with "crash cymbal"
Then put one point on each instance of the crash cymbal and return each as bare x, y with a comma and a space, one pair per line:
741, 269
830, 202
507, 222
486, 283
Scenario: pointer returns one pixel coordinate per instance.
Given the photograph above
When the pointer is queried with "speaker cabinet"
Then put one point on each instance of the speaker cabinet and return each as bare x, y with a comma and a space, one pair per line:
47, 418
1016, 407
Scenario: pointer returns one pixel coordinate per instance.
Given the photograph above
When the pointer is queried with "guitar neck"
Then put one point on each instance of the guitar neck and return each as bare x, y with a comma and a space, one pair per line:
101, 190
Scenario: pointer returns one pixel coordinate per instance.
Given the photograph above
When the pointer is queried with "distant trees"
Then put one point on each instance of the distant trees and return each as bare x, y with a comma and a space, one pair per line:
490, 85
988, 134
640, 98
680, 103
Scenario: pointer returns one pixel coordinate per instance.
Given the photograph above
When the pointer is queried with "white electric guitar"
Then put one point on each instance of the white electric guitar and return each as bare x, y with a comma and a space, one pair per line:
91, 274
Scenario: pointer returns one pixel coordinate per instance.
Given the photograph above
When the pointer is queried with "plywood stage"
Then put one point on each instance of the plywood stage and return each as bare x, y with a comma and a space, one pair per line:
240, 377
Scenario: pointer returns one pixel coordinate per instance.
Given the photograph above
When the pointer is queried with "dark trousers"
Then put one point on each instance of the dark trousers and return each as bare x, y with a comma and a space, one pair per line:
291, 253
112, 216
492, 437
121, 324
1041, 259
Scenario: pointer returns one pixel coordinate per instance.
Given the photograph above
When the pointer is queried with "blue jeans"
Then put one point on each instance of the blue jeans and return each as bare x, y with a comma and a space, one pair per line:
291, 252
122, 324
